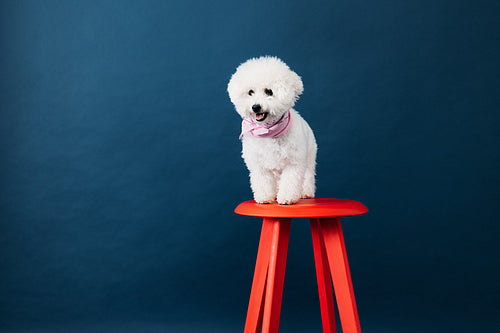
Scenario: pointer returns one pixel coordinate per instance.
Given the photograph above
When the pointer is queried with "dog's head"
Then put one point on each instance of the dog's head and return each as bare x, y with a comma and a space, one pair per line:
264, 89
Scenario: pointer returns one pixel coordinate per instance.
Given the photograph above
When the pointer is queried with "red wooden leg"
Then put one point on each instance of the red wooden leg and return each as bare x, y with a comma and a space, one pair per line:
276, 275
324, 278
256, 303
341, 275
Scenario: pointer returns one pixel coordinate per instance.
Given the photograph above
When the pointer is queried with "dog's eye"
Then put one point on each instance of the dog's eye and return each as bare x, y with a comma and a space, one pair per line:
250, 92
268, 92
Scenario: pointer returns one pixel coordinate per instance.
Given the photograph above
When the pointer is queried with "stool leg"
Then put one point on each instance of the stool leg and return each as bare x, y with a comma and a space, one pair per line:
276, 275
341, 275
256, 303
324, 278
267, 285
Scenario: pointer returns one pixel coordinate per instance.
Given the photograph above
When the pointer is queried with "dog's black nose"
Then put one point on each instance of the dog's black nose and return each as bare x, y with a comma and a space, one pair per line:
256, 108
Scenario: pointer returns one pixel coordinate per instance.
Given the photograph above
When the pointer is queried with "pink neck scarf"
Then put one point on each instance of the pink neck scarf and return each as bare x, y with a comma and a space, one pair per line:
279, 128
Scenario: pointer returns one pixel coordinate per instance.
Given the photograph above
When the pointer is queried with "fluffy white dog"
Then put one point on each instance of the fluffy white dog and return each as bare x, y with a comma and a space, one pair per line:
279, 148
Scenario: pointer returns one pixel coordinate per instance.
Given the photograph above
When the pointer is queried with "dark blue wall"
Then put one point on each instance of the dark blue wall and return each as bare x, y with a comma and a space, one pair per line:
120, 160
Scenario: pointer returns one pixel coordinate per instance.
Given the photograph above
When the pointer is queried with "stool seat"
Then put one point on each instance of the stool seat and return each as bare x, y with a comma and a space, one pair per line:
305, 208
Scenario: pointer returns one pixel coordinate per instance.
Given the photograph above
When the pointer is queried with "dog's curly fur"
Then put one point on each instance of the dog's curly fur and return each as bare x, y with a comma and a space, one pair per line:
282, 168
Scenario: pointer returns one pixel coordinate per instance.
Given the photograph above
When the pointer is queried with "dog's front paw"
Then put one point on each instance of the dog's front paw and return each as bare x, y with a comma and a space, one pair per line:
262, 199
283, 200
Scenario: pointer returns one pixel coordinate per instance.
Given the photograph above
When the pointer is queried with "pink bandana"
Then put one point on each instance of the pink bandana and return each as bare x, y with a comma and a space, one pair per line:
279, 128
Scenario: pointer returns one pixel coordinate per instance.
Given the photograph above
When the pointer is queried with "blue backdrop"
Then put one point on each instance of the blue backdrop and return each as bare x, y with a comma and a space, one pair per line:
120, 161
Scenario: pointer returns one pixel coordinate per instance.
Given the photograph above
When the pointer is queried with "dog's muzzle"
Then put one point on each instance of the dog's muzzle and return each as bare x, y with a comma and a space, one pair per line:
259, 115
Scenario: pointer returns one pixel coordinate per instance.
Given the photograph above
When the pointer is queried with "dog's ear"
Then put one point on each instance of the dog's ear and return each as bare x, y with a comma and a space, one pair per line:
297, 84
289, 88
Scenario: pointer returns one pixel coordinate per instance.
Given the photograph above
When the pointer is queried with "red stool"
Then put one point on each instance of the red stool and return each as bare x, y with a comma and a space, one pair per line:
329, 254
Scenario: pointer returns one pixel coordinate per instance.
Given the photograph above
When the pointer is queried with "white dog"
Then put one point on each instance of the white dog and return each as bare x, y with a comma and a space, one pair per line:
279, 148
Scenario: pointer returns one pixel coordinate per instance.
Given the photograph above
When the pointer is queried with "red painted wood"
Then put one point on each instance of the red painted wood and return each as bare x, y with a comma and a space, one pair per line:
256, 303
337, 258
324, 278
276, 276
330, 259
305, 208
